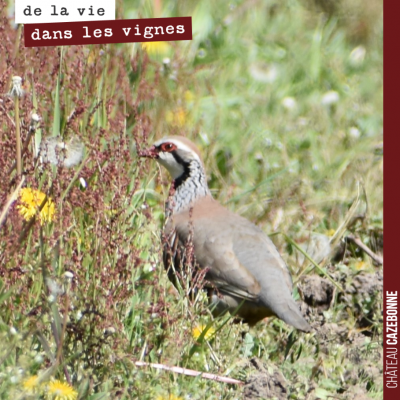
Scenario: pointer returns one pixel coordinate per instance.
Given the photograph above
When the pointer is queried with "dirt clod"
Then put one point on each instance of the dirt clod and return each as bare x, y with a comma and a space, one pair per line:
264, 384
317, 292
367, 284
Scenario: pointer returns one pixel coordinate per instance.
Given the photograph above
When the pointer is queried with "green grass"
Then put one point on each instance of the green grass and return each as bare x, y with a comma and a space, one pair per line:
293, 171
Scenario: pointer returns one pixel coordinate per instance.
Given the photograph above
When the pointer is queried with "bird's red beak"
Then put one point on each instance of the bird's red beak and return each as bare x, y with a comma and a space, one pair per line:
151, 152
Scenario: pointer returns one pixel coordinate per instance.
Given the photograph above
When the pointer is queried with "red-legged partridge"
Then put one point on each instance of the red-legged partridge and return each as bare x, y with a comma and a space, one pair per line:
244, 269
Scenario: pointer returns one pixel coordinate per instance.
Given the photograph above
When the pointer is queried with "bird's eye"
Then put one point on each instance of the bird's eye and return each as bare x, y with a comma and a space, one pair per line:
168, 147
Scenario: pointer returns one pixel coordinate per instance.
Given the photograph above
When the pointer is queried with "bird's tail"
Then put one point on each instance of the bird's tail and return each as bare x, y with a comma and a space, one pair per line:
292, 316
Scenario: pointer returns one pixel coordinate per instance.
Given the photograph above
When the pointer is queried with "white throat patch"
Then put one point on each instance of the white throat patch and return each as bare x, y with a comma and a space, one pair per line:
168, 161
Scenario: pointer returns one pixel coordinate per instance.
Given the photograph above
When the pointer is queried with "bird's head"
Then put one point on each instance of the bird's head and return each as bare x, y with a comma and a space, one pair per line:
175, 153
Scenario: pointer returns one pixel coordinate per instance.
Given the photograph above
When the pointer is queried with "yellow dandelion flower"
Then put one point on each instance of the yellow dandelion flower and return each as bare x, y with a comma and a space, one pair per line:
156, 48
31, 200
177, 117
361, 265
169, 397
32, 385
111, 212
199, 329
57, 390
92, 57
189, 96
330, 232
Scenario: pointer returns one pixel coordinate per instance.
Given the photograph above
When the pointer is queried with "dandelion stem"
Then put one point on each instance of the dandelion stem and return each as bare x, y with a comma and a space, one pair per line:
32, 130
18, 134
17, 42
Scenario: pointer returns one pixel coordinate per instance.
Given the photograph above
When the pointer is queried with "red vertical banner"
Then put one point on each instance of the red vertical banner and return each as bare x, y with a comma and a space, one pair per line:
391, 283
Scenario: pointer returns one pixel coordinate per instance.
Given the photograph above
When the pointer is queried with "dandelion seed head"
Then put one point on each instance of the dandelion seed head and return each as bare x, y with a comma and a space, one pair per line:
16, 87
16, 80
38, 358
35, 118
330, 98
357, 56
54, 288
55, 151
289, 103
264, 73
354, 132
68, 275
